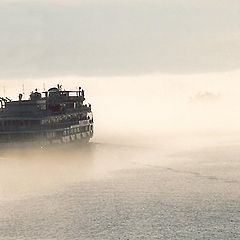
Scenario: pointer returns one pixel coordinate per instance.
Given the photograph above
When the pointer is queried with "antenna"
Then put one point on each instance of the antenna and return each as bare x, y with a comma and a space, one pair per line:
44, 87
4, 91
23, 89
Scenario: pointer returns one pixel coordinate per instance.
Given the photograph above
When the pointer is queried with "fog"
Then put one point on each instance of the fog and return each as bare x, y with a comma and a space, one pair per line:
165, 153
151, 105
163, 81
139, 121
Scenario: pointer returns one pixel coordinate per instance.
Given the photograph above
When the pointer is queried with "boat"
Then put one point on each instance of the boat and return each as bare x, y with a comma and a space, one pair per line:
53, 117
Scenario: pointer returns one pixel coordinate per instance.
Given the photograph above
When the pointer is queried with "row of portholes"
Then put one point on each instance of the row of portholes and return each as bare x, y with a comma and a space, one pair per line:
77, 130
71, 131
63, 118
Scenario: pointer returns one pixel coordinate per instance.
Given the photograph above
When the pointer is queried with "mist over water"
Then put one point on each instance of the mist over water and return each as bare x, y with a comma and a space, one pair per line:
152, 104
163, 164
164, 160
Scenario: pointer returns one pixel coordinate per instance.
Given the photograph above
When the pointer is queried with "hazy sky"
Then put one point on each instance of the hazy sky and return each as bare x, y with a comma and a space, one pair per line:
49, 37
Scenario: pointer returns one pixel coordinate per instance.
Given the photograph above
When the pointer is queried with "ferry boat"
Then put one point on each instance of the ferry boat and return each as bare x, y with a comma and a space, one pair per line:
53, 117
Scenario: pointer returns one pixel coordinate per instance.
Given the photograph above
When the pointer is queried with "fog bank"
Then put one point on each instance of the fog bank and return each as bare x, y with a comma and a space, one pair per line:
145, 107
140, 122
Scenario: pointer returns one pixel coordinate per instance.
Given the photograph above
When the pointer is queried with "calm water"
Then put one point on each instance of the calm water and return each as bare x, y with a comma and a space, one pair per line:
123, 192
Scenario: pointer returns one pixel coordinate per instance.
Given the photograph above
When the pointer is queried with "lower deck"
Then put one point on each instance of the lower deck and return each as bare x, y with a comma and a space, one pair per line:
82, 131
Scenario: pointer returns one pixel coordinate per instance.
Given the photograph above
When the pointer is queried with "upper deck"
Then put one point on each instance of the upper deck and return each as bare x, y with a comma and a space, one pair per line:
55, 101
